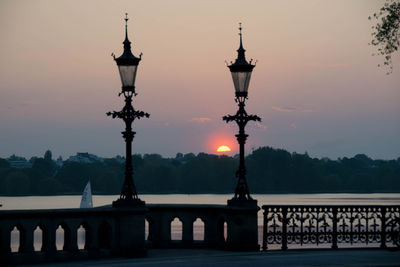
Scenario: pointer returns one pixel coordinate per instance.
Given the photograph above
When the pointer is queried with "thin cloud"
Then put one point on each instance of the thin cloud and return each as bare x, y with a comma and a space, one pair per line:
200, 119
283, 109
259, 125
293, 125
24, 104
290, 109
321, 65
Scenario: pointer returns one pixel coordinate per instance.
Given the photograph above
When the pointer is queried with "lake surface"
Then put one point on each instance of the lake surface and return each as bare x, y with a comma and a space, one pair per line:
59, 202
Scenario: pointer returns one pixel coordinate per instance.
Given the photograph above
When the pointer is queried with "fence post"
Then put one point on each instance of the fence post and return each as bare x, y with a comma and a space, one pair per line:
284, 228
265, 229
383, 229
334, 226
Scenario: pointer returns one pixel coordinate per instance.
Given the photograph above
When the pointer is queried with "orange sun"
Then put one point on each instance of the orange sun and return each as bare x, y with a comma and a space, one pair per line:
223, 149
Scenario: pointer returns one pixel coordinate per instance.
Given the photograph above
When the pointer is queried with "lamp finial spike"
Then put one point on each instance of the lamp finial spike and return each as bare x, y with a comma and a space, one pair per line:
126, 26
240, 34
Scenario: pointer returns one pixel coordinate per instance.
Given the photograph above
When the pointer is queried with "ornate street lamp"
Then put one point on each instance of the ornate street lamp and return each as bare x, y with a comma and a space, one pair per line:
241, 72
127, 65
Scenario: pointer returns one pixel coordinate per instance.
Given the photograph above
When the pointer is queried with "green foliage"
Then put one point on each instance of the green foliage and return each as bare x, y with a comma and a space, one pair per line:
386, 35
268, 171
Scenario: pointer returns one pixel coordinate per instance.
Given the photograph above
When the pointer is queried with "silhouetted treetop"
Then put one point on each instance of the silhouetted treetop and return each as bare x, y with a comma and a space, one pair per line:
386, 35
269, 170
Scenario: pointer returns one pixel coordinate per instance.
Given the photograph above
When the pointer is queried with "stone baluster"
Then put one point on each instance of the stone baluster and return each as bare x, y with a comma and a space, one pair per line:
187, 231
165, 230
45, 238
220, 232
91, 235
5, 238
71, 237
113, 238
211, 231
49, 237
155, 230
26, 237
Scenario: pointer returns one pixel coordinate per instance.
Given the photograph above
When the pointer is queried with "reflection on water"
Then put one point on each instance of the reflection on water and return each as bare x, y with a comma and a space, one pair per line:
57, 202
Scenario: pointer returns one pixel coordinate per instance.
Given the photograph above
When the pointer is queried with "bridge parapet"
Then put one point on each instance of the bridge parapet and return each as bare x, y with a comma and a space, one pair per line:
121, 231
107, 232
225, 227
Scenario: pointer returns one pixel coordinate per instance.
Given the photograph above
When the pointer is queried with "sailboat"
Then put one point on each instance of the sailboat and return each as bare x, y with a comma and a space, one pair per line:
86, 201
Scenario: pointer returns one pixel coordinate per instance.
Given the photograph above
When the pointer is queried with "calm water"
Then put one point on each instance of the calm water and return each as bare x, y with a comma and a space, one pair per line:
57, 202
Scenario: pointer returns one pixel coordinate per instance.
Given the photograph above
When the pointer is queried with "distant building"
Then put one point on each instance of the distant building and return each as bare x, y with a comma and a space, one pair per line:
85, 158
19, 162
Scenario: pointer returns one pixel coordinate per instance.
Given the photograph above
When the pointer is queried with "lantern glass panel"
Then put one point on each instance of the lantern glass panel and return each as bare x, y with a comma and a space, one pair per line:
128, 74
241, 81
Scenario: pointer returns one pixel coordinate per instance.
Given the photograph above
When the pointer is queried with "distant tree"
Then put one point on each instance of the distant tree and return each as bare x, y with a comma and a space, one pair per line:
17, 183
189, 156
4, 163
43, 168
386, 35
154, 157
48, 156
269, 170
33, 159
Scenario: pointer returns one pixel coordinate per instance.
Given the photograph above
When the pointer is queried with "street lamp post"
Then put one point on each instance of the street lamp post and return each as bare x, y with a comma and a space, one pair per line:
127, 65
241, 72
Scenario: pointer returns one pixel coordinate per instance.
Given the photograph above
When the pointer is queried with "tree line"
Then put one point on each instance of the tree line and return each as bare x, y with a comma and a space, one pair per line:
269, 170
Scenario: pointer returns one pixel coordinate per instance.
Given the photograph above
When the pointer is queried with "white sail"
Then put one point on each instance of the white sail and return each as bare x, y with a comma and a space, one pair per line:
86, 201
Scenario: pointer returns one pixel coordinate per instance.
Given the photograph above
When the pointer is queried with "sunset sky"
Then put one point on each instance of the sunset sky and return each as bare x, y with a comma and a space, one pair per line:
316, 84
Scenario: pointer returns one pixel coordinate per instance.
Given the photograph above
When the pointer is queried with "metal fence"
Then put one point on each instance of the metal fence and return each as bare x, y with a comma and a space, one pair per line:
336, 226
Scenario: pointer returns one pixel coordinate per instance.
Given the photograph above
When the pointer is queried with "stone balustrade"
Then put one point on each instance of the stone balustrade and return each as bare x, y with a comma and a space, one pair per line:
240, 224
121, 231
107, 231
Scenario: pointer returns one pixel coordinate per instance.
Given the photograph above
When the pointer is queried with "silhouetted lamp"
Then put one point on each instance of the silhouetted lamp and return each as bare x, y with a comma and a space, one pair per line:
241, 70
127, 66
241, 73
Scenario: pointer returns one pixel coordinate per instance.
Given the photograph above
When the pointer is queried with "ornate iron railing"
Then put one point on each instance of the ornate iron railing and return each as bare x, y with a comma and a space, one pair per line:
309, 225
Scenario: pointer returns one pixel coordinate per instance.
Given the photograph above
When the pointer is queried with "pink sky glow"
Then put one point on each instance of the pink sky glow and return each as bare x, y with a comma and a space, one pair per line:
316, 84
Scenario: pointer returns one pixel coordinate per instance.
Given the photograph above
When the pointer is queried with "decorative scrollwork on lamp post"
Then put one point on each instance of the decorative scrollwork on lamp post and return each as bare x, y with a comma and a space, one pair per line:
241, 72
127, 65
